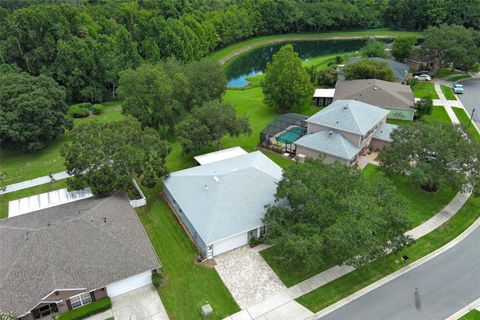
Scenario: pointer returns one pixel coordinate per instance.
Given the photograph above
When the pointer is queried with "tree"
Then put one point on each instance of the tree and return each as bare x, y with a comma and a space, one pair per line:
287, 84
403, 47
148, 93
373, 48
323, 77
452, 45
333, 213
434, 155
207, 82
32, 111
424, 107
107, 156
369, 69
209, 124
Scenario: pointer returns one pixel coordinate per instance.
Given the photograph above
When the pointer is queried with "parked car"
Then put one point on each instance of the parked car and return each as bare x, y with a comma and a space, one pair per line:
420, 73
457, 88
424, 77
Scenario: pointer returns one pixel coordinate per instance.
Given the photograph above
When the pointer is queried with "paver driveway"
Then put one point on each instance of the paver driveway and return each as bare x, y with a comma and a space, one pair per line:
248, 277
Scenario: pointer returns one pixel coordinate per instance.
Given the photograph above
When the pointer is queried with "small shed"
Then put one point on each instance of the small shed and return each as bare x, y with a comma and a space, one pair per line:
323, 97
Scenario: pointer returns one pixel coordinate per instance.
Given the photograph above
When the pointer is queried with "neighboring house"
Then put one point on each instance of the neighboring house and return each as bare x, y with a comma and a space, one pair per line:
222, 204
343, 131
323, 97
395, 97
400, 70
61, 258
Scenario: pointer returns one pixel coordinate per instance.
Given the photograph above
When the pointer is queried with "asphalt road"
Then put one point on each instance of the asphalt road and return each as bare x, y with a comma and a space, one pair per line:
435, 290
471, 97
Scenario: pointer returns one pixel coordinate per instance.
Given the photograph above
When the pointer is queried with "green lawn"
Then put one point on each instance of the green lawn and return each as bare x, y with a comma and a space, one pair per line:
465, 121
472, 315
187, 285
229, 52
448, 73
362, 277
87, 310
438, 114
424, 89
20, 166
4, 199
420, 207
398, 122
447, 91
459, 77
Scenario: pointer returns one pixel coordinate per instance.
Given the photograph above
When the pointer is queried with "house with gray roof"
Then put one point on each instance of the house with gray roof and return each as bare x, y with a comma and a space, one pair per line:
344, 130
222, 204
393, 96
63, 257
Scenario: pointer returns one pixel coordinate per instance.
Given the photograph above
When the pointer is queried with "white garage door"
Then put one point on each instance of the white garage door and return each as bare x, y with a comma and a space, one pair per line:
230, 243
116, 288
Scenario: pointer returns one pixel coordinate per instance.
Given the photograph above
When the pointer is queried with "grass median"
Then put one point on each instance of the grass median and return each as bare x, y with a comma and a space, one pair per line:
350, 283
424, 89
464, 119
448, 92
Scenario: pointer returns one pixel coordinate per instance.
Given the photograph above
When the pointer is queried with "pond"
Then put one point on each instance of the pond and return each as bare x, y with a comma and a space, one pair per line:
254, 62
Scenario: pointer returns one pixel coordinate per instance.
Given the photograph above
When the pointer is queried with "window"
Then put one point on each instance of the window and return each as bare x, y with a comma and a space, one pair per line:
263, 231
80, 300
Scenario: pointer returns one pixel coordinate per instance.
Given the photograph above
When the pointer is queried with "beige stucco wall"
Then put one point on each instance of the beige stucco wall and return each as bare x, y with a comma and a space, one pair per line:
315, 154
353, 138
378, 145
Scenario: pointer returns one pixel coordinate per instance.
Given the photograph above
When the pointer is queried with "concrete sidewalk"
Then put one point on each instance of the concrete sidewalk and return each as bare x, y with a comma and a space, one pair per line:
446, 103
34, 182
285, 300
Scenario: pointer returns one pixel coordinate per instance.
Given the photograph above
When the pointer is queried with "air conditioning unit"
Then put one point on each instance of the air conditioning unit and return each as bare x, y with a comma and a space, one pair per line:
301, 158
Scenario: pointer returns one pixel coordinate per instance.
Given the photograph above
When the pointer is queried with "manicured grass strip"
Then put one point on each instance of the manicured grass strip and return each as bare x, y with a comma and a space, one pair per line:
421, 206
447, 91
438, 114
447, 73
278, 159
465, 121
459, 77
398, 122
229, 52
87, 310
187, 285
362, 277
4, 199
424, 89
472, 315
21, 166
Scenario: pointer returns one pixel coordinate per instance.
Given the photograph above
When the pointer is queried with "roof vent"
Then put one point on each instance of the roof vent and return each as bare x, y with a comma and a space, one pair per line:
91, 218
216, 179
345, 107
375, 88
104, 219
330, 133
26, 236
206, 188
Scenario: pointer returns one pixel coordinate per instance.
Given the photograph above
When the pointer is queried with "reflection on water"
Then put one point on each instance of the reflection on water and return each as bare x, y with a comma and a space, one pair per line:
254, 62
241, 81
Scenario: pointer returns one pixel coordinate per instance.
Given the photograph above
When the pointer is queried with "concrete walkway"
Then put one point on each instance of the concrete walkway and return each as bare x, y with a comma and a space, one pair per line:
446, 103
285, 300
34, 182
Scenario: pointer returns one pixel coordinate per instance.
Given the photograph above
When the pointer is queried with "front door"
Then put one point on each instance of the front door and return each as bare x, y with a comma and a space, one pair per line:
252, 234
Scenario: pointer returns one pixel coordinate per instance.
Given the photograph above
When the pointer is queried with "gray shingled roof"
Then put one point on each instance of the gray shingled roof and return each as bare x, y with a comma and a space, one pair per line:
70, 246
399, 69
227, 197
329, 142
349, 115
385, 94
384, 132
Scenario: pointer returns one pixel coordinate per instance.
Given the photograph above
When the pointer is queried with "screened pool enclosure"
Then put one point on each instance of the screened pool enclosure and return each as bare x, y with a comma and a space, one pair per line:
281, 133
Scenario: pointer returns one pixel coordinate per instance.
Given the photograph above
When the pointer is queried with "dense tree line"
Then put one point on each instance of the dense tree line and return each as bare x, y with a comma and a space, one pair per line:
84, 45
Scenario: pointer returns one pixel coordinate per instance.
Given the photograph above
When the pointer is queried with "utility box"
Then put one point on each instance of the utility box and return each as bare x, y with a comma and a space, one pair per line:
206, 310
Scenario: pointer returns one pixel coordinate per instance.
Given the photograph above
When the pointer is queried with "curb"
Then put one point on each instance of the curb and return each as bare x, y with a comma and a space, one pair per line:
398, 273
464, 310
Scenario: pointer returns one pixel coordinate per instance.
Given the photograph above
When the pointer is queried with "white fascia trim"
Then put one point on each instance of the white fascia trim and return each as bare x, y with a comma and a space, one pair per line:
74, 289
234, 235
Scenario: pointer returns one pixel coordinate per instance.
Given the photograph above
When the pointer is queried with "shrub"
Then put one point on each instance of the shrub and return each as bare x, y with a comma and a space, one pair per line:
412, 81
97, 108
84, 105
78, 112
87, 310
157, 279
